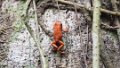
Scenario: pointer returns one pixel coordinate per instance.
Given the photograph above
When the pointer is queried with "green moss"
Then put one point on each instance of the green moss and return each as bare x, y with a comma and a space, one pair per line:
18, 13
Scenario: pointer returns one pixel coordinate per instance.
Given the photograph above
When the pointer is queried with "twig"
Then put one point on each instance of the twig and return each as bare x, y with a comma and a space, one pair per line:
43, 2
78, 6
43, 59
104, 56
105, 26
58, 5
96, 34
61, 7
116, 18
3, 28
3, 41
24, 18
105, 61
42, 7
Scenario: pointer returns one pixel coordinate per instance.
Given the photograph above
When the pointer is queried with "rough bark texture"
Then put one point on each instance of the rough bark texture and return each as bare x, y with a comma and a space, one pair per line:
21, 51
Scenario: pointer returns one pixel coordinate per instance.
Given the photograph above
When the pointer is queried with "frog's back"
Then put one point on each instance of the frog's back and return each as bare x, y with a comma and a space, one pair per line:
57, 30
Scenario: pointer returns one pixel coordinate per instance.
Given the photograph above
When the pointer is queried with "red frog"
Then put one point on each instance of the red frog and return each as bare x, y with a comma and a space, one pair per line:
57, 42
